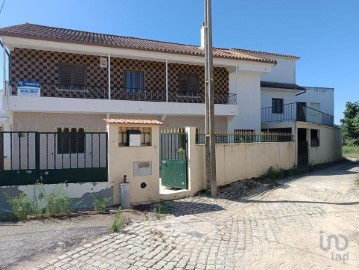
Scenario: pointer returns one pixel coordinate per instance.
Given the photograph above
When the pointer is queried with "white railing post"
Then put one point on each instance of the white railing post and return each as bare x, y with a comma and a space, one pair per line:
166, 80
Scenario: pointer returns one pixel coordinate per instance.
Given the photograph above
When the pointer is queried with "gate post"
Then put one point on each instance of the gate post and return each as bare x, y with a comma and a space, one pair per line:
195, 163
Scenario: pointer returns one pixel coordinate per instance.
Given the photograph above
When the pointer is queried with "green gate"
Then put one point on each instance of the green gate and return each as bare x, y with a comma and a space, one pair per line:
174, 159
69, 155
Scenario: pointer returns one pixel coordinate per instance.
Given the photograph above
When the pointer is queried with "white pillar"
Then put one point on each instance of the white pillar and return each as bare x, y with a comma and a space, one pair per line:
109, 76
4, 67
166, 80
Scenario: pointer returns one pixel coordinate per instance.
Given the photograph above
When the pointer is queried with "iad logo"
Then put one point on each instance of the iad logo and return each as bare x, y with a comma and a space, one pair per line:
340, 242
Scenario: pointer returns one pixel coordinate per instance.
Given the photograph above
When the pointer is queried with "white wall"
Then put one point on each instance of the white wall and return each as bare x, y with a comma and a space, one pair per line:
284, 71
268, 93
324, 96
248, 102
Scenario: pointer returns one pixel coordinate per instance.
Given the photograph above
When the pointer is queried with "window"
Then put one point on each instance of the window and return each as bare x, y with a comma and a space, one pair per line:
188, 83
72, 76
71, 141
277, 105
123, 135
134, 80
314, 138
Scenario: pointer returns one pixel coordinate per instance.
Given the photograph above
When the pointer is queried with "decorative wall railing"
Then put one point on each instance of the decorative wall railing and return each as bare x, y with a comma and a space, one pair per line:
90, 92
246, 137
296, 112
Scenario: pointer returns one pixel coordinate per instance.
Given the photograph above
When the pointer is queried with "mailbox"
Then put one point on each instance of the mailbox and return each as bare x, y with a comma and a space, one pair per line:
134, 137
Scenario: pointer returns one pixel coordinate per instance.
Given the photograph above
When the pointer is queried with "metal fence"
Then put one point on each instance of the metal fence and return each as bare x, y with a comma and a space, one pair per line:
246, 137
49, 157
296, 112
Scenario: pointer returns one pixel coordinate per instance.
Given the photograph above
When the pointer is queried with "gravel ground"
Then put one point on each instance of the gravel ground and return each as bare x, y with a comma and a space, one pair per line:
26, 240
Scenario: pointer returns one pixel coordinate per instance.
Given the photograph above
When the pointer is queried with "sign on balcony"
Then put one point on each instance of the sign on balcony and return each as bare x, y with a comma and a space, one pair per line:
27, 88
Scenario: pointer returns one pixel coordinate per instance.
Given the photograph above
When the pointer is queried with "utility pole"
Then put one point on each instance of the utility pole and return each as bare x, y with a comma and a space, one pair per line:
209, 98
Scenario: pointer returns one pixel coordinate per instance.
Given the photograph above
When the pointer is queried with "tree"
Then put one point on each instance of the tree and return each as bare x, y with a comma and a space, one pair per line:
350, 123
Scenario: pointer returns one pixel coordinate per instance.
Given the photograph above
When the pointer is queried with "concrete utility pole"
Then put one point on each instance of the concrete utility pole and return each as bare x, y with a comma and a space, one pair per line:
209, 96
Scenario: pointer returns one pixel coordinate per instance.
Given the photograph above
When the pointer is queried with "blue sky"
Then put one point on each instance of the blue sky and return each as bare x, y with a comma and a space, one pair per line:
324, 33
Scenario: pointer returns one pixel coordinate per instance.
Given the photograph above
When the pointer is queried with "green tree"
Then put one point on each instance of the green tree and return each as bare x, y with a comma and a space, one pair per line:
350, 123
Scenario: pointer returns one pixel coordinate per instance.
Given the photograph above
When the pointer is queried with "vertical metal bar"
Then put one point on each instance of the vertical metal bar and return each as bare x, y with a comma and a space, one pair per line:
27, 150
99, 149
85, 150
106, 140
77, 149
11, 150
91, 150
55, 151
37, 151
62, 149
47, 150
70, 150
19, 148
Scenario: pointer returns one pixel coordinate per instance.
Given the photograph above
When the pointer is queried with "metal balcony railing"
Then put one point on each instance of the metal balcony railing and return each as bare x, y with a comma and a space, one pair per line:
89, 92
296, 112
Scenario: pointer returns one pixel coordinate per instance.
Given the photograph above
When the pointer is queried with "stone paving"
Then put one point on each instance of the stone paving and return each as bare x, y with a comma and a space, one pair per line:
275, 229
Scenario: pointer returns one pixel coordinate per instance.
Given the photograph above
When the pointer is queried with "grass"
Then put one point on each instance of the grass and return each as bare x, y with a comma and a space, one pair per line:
351, 152
160, 210
118, 222
357, 181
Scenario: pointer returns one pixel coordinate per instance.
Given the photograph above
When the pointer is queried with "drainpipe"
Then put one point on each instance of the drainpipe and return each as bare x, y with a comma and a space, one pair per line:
166, 80
109, 75
304, 91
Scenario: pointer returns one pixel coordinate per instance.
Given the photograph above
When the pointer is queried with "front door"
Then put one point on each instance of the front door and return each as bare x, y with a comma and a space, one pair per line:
302, 147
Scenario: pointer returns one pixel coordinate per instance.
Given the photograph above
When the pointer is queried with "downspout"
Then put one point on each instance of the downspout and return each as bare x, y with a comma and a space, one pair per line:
303, 92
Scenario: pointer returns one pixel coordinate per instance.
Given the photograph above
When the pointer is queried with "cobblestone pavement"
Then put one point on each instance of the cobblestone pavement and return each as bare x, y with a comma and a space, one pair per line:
276, 229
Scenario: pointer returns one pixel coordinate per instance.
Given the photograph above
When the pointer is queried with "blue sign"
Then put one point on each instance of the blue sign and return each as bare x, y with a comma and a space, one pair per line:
27, 88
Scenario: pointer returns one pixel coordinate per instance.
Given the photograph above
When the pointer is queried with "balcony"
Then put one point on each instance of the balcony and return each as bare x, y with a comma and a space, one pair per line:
296, 112
87, 92
85, 99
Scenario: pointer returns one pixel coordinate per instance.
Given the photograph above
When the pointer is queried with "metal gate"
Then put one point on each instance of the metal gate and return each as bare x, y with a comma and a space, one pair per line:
174, 159
70, 155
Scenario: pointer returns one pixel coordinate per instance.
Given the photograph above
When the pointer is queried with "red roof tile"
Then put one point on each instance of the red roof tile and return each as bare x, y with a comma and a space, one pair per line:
133, 121
266, 53
40, 32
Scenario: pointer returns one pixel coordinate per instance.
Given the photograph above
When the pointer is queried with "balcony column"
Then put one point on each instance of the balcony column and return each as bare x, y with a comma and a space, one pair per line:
4, 67
109, 75
166, 80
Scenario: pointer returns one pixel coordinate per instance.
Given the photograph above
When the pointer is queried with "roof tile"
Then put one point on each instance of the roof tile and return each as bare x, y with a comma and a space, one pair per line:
41, 32
133, 121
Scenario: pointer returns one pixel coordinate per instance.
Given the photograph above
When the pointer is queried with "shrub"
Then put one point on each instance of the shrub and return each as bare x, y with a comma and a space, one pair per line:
100, 204
118, 222
161, 209
58, 202
21, 206
272, 173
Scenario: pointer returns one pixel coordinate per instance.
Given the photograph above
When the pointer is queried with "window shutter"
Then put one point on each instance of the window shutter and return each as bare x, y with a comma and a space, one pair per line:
65, 74
79, 75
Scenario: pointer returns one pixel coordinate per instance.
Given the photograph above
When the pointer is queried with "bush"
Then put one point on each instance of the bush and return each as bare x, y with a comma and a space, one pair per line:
21, 206
272, 173
100, 204
118, 222
58, 202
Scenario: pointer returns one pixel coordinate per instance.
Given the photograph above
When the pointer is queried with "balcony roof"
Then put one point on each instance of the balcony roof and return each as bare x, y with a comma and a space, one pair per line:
292, 86
47, 33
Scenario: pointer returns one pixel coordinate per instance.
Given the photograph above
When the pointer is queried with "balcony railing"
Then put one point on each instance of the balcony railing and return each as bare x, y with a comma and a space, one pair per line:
296, 112
89, 92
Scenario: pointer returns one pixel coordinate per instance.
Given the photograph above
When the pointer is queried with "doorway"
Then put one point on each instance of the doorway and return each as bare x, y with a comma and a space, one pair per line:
302, 147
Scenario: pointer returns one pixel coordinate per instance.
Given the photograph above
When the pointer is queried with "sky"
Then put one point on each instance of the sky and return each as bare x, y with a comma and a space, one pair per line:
324, 33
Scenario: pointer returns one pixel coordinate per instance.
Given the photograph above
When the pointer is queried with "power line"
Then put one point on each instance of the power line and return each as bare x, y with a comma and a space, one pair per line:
3, 3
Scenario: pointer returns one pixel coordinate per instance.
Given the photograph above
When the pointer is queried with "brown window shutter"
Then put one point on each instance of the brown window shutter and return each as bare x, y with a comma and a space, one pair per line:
65, 74
79, 75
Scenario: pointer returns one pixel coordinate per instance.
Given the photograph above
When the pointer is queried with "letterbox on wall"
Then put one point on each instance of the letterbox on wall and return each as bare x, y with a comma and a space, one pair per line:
134, 137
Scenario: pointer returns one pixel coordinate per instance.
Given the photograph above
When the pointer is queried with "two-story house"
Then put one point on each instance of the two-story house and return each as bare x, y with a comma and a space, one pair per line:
67, 81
